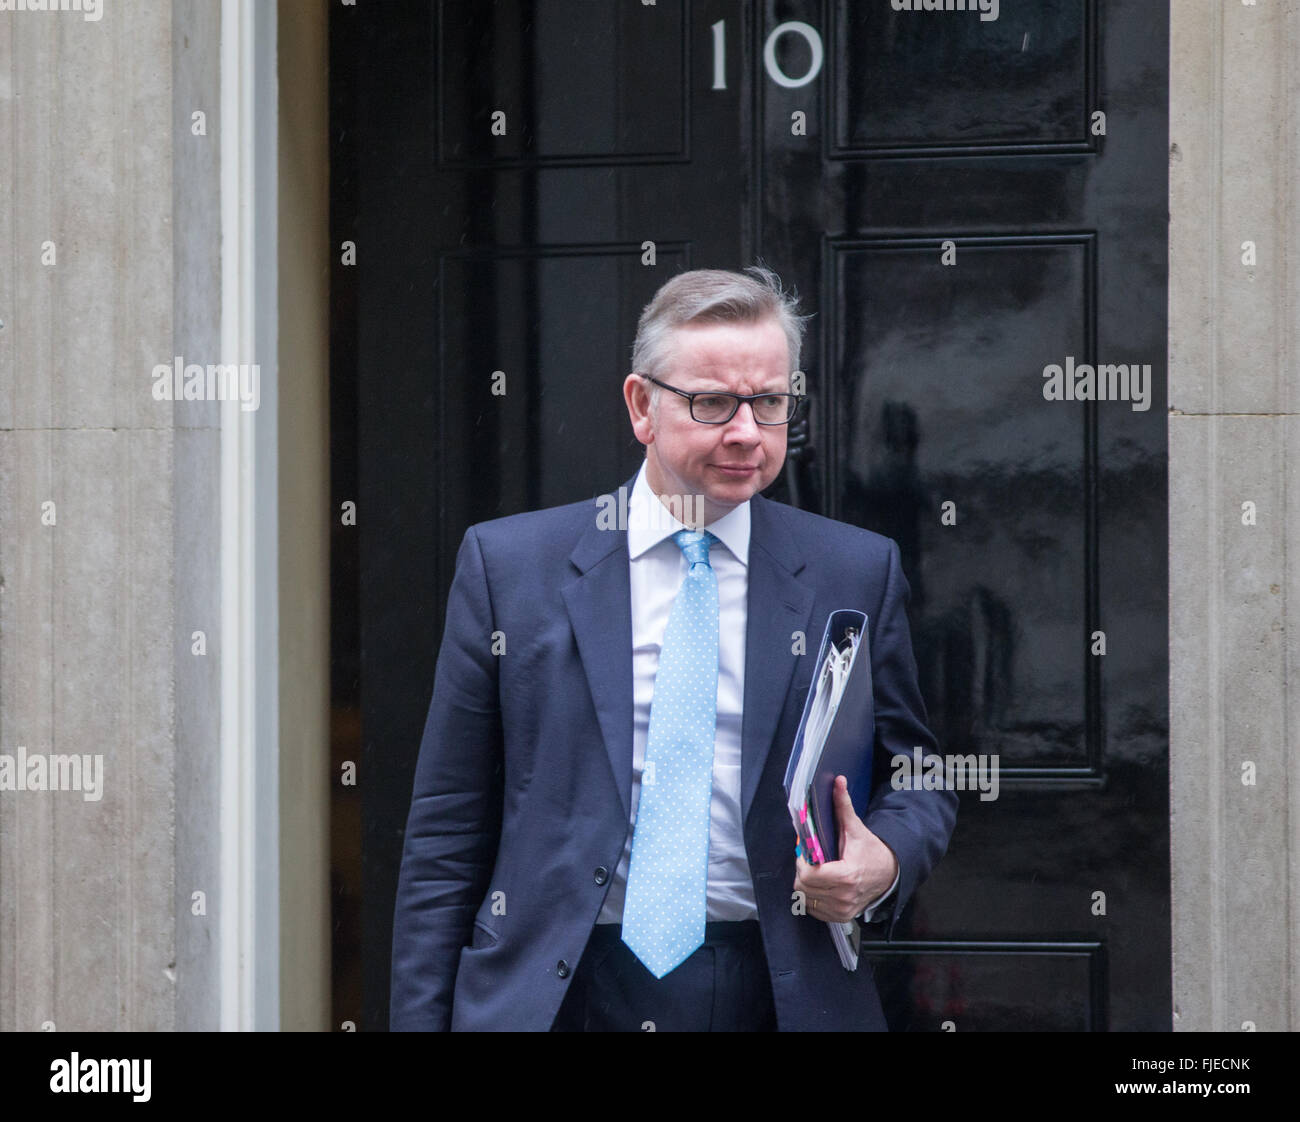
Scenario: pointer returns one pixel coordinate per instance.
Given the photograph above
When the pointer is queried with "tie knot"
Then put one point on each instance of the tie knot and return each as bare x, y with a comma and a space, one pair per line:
695, 545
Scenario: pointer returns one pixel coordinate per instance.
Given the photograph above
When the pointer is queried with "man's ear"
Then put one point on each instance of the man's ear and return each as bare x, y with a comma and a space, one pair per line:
636, 393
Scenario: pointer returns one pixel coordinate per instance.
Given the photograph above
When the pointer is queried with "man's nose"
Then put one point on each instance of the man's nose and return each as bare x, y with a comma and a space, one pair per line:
742, 428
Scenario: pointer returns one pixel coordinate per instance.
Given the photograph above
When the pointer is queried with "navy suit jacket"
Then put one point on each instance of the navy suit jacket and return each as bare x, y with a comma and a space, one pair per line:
520, 806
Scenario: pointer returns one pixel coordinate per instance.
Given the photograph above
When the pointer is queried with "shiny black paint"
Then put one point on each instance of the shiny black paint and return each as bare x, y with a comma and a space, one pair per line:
523, 254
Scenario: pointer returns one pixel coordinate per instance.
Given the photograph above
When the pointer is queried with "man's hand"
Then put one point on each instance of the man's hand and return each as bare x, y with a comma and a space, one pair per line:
840, 890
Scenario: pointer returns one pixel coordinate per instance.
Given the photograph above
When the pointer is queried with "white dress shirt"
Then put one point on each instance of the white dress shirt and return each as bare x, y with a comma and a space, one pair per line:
657, 568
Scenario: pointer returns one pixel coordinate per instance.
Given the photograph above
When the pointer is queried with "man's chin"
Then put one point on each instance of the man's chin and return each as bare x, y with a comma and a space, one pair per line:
733, 492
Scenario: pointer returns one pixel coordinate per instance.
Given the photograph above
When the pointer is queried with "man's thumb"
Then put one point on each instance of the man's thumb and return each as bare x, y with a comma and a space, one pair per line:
844, 806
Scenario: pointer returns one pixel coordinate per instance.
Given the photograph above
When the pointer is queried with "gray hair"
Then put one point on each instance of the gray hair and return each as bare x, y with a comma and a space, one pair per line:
714, 296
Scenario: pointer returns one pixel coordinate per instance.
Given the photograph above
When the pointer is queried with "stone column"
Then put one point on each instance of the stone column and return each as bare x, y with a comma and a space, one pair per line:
109, 506
1234, 509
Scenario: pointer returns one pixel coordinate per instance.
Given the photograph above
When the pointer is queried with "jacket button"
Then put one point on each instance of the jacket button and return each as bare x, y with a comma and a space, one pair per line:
602, 874
562, 968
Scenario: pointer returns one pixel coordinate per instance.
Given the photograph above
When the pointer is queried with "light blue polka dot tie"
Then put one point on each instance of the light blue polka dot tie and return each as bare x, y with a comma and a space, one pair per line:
667, 880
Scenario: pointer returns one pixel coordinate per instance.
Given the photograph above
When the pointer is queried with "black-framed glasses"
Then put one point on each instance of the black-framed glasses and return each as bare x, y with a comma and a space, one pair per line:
713, 407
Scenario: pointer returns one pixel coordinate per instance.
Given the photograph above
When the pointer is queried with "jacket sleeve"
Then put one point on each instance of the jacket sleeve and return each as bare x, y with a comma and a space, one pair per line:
453, 830
916, 825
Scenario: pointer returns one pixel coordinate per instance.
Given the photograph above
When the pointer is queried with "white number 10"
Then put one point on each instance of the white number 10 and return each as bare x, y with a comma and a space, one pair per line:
809, 33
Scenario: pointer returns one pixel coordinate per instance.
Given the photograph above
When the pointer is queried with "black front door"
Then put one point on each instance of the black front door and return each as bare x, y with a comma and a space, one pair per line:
964, 202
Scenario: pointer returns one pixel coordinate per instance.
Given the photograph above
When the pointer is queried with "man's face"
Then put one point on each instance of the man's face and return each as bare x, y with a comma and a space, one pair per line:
729, 463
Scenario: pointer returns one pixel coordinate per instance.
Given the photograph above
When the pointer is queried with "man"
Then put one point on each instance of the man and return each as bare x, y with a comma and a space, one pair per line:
598, 836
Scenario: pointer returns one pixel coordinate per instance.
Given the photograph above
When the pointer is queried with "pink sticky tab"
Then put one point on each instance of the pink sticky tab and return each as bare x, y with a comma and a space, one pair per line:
803, 813
818, 856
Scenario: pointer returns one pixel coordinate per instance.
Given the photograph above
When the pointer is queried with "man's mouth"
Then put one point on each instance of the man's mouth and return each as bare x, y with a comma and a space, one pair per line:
737, 469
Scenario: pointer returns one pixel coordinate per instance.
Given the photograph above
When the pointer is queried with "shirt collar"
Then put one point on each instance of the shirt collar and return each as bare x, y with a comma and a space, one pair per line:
649, 522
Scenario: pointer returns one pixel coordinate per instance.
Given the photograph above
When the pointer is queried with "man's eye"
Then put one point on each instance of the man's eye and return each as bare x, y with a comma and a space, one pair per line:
710, 402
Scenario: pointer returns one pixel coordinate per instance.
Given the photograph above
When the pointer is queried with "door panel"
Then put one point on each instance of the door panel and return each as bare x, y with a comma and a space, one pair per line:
931, 404
498, 283
938, 189
907, 83
938, 131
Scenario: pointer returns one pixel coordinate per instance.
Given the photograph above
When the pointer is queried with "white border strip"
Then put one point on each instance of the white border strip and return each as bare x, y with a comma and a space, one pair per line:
247, 905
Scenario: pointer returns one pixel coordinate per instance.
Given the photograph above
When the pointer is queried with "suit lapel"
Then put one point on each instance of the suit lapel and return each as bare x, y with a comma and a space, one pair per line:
777, 606
599, 602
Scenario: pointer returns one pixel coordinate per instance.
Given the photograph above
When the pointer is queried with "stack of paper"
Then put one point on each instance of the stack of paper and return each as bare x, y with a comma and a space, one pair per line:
841, 689
823, 705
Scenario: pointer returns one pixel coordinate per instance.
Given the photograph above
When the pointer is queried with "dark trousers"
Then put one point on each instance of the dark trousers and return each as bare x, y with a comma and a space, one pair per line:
722, 987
